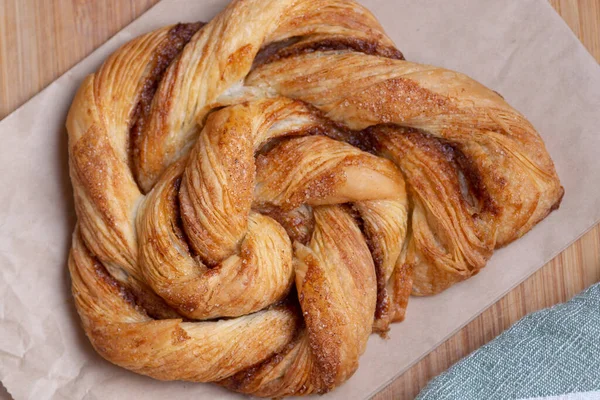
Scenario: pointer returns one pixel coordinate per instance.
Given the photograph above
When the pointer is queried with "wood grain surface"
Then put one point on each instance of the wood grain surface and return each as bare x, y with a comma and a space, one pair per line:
40, 40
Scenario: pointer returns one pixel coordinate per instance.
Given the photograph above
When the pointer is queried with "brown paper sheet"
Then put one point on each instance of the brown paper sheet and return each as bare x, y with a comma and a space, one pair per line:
522, 49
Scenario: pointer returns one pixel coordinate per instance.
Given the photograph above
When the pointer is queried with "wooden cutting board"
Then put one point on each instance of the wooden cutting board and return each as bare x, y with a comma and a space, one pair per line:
40, 40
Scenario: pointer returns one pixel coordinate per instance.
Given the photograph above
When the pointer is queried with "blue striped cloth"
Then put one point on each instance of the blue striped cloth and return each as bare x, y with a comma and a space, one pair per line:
551, 352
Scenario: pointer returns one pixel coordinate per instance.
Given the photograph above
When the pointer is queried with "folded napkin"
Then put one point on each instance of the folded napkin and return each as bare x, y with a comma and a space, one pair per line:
553, 352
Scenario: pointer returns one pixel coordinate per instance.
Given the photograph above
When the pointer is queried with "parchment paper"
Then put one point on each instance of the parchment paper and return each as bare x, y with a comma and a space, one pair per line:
520, 48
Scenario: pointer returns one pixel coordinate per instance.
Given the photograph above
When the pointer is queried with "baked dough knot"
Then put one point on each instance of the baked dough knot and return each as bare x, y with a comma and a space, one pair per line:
256, 195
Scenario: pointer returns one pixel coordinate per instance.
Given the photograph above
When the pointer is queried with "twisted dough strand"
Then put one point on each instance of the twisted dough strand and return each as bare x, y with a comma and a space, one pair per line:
256, 195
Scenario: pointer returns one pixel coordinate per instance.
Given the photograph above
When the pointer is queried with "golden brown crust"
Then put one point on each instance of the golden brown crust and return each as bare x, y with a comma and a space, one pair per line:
251, 206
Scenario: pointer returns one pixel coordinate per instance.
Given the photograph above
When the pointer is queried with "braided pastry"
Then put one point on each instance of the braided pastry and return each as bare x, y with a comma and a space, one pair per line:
258, 194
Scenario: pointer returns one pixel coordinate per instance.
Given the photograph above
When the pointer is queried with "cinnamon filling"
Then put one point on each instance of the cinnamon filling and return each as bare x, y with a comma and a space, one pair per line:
452, 159
295, 46
164, 55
